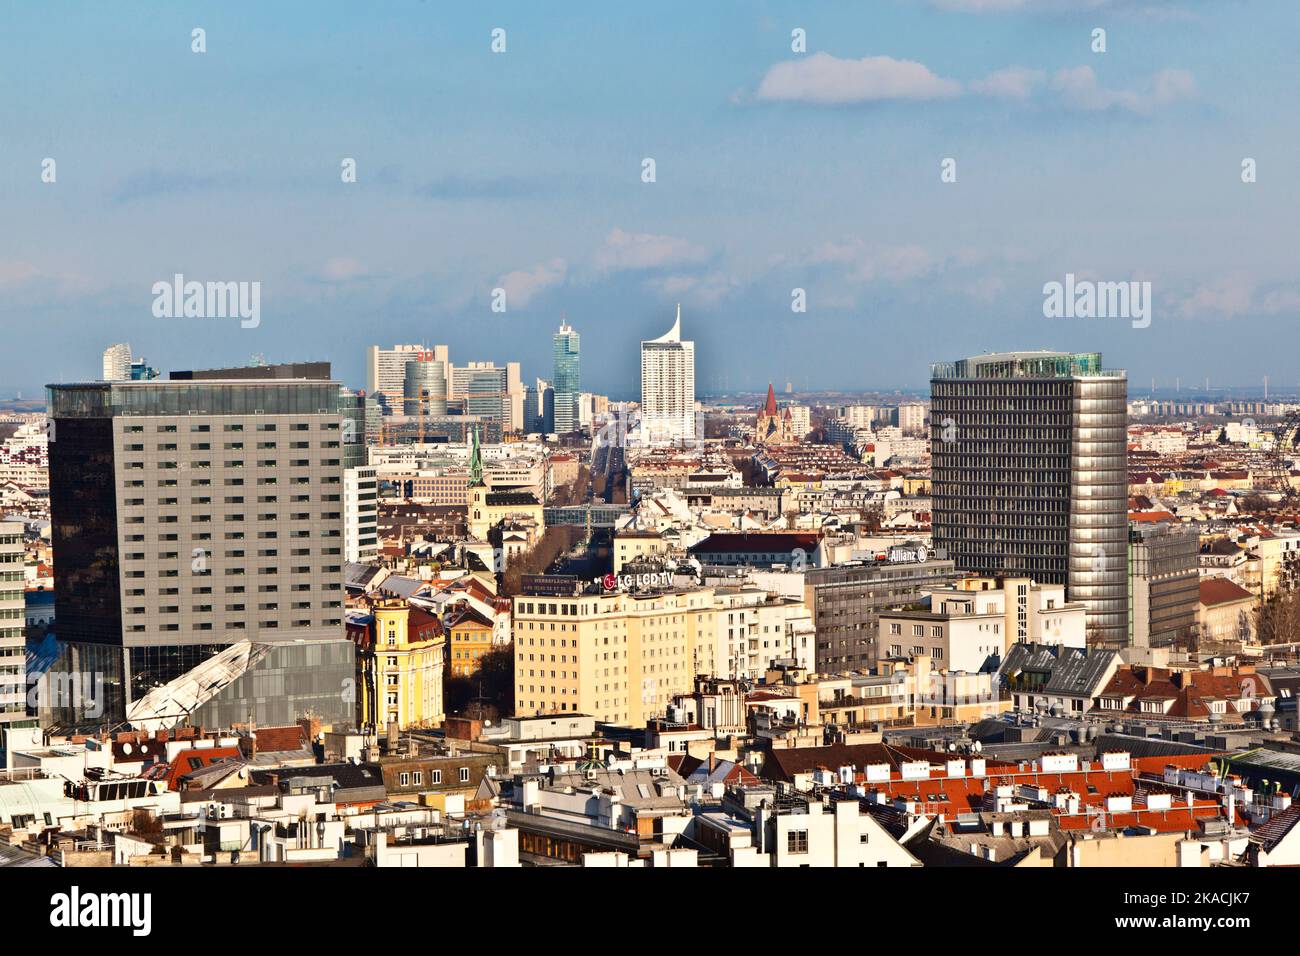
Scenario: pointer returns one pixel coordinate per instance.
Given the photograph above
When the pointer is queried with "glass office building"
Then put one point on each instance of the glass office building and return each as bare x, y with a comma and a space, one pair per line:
567, 380
192, 514
1029, 475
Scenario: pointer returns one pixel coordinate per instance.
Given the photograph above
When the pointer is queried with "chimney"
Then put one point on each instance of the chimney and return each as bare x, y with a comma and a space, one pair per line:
713, 761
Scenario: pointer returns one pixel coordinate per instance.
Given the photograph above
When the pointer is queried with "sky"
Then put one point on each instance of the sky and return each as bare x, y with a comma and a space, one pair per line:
775, 170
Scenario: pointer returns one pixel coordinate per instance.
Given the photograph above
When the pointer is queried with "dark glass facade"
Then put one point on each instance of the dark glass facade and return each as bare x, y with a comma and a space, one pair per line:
83, 506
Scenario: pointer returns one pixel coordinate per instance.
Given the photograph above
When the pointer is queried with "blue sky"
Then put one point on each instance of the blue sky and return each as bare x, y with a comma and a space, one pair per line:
775, 170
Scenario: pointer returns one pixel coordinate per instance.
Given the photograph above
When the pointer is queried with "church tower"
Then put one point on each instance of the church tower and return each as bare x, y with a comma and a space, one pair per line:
476, 492
772, 428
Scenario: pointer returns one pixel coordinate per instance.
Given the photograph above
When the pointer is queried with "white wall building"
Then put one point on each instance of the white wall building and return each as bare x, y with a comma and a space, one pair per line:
13, 666
360, 514
911, 418
117, 363
668, 387
966, 623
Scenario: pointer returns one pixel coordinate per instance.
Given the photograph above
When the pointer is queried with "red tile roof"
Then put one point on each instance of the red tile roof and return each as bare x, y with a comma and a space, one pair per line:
1189, 691
279, 739
187, 761
1216, 590
940, 794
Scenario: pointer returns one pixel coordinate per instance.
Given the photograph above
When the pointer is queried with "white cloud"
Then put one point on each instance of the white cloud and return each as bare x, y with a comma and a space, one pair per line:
982, 6
1224, 298
822, 78
1236, 294
15, 273
341, 269
631, 250
523, 284
1156, 8
708, 289
1281, 301
1015, 82
869, 263
1078, 89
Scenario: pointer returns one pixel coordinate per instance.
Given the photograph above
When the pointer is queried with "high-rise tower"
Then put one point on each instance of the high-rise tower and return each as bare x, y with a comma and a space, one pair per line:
668, 387
567, 379
1029, 475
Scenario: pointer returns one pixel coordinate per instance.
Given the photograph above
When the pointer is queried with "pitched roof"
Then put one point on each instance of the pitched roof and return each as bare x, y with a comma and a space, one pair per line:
785, 763
1270, 834
188, 761
277, 739
760, 541
1188, 691
1073, 671
1215, 591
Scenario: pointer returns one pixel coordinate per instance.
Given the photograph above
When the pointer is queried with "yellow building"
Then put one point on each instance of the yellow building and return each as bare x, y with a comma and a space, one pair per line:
619, 657
402, 682
469, 637
914, 485
631, 547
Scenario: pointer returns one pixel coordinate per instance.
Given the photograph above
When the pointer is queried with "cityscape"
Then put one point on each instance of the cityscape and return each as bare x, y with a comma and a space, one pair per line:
663, 547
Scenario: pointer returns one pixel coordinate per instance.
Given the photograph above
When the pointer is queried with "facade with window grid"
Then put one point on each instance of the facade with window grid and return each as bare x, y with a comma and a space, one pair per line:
1029, 475
195, 514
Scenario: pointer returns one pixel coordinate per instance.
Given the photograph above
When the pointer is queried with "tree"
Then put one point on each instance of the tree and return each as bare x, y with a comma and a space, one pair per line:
1278, 619
555, 541
493, 683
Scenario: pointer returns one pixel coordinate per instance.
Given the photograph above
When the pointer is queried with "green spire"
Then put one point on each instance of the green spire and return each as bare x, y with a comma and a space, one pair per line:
475, 462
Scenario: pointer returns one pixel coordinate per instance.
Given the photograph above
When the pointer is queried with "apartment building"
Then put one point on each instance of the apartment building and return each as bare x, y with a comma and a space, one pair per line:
361, 514
755, 630
977, 619
847, 600
401, 655
623, 656
620, 656
470, 635
1163, 584
13, 667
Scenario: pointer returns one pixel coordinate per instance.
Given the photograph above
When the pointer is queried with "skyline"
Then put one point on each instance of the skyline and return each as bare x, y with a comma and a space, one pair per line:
775, 171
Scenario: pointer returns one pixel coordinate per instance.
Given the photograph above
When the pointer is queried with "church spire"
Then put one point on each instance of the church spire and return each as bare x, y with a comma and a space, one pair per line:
770, 408
475, 462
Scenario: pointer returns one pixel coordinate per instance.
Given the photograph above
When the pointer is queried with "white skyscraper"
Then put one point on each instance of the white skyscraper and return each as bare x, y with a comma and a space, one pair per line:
668, 387
117, 363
